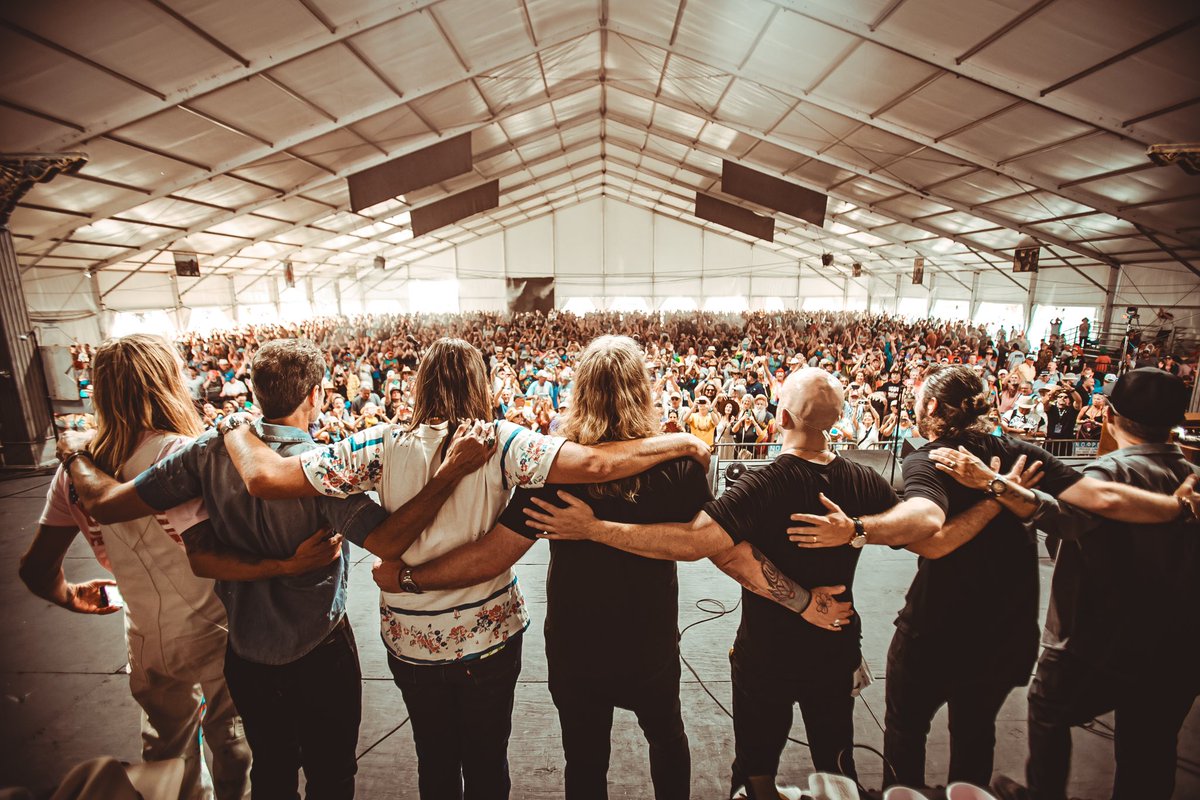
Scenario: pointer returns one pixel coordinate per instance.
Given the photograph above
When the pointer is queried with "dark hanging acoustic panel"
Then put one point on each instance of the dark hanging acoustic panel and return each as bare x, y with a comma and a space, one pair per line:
736, 217
455, 207
772, 192
426, 167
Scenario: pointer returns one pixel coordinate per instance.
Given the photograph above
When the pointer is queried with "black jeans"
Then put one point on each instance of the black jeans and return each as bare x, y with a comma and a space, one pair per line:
461, 719
763, 696
920, 680
1068, 691
302, 715
585, 712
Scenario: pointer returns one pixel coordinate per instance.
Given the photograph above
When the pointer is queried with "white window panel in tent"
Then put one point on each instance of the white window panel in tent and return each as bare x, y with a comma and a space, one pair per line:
822, 303
576, 305
210, 318
1071, 316
156, 321
771, 303
678, 303
434, 296
57, 292
726, 304
993, 315
626, 303
950, 309
914, 307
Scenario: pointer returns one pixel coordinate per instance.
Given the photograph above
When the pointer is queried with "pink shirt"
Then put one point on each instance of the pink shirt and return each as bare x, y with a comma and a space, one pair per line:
62, 508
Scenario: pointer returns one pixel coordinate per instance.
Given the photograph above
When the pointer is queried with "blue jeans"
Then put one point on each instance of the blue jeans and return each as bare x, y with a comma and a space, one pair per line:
461, 718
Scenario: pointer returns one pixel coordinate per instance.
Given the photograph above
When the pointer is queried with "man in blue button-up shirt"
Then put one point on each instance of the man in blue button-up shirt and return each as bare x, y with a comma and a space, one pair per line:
292, 665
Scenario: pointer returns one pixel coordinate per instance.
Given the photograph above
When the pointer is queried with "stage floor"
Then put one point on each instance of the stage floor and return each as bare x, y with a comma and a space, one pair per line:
65, 696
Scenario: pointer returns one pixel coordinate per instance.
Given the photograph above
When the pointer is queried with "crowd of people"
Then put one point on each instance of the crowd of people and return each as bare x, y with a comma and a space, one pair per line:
250, 522
715, 376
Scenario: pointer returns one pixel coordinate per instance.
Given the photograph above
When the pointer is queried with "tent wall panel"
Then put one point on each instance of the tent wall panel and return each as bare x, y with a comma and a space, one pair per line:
142, 291
628, 248
252, 290
529, 248
578, 239
678, 248
482, 256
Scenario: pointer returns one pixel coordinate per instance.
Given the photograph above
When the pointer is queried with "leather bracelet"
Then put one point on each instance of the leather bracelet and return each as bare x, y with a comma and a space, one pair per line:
74, 454
1185, 510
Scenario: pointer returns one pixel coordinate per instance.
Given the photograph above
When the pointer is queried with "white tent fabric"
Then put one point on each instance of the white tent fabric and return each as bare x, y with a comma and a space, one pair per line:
942, 129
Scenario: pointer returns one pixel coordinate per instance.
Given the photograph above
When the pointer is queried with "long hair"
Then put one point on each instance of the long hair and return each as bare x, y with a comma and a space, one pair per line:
611, 403
451, 385
962, 401
138, 389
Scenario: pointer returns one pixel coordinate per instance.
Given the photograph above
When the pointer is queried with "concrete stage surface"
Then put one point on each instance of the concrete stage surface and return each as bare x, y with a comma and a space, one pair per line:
66, 698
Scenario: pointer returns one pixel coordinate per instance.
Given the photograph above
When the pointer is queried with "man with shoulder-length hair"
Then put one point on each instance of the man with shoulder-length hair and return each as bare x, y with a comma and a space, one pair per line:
453, 650
291, 663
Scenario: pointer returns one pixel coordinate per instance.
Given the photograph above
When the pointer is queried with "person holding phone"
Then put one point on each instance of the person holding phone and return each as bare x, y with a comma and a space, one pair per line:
175, 624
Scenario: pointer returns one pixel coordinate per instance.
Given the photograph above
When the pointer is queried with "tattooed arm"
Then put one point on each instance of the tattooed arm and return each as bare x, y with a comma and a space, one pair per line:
212, 559
748, 566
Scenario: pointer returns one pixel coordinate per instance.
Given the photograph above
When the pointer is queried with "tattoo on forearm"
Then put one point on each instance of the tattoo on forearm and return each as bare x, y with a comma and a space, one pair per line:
783, 589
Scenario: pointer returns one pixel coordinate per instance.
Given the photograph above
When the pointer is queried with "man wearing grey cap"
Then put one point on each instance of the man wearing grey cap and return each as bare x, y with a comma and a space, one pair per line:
1123, 629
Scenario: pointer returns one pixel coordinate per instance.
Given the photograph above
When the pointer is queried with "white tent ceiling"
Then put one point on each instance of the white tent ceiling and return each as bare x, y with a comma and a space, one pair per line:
942, 128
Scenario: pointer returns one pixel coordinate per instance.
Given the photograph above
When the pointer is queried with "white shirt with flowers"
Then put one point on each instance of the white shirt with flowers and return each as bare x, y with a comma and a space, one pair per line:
438, 627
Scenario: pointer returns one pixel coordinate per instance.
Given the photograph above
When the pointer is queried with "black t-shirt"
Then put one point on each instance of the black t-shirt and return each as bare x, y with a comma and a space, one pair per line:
758, 508
981, 601
1060, 422
610, 612
892, 391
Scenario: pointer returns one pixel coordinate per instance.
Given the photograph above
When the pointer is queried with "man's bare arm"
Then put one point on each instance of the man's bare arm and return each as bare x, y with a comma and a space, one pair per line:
748, 566
1123, 502
576, 463
958, 530
41, 571
904, 523
669, 541
467, 565
211, 559
266, 474
102, 496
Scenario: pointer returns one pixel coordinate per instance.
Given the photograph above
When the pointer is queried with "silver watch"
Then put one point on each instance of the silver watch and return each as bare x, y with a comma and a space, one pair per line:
996, 487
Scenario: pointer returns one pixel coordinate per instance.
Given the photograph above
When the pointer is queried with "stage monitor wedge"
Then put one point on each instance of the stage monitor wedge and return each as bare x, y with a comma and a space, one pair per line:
455, 207
736, 217
426, 167
772, 192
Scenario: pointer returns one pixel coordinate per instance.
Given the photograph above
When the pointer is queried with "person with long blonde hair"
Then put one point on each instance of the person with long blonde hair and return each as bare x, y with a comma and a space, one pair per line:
175, 624
596, 593
454, 652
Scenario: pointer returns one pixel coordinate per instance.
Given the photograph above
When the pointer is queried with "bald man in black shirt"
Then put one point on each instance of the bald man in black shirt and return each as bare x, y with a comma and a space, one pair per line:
778, 659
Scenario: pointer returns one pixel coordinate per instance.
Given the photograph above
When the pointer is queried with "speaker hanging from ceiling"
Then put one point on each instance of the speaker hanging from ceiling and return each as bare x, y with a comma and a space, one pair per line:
772, 192
918, 276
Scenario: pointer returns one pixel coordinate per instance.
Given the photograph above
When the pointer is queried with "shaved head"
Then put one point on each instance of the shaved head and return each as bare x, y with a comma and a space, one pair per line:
812, 396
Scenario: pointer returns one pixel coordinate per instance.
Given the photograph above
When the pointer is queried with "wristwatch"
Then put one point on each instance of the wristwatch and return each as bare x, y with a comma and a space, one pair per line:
231, 422
1185, 508
407, 583
996, 487
860, 534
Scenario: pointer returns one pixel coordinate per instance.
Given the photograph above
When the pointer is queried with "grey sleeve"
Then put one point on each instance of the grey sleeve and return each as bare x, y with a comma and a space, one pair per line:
355, 517
1069, 522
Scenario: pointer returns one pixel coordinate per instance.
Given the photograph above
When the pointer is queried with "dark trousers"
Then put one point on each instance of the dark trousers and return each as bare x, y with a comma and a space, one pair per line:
920, 680
302, 715
461, 718
585, 712
1069, 691
763, 696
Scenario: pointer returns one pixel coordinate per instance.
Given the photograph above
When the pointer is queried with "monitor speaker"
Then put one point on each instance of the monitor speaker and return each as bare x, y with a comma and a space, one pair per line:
880, 461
